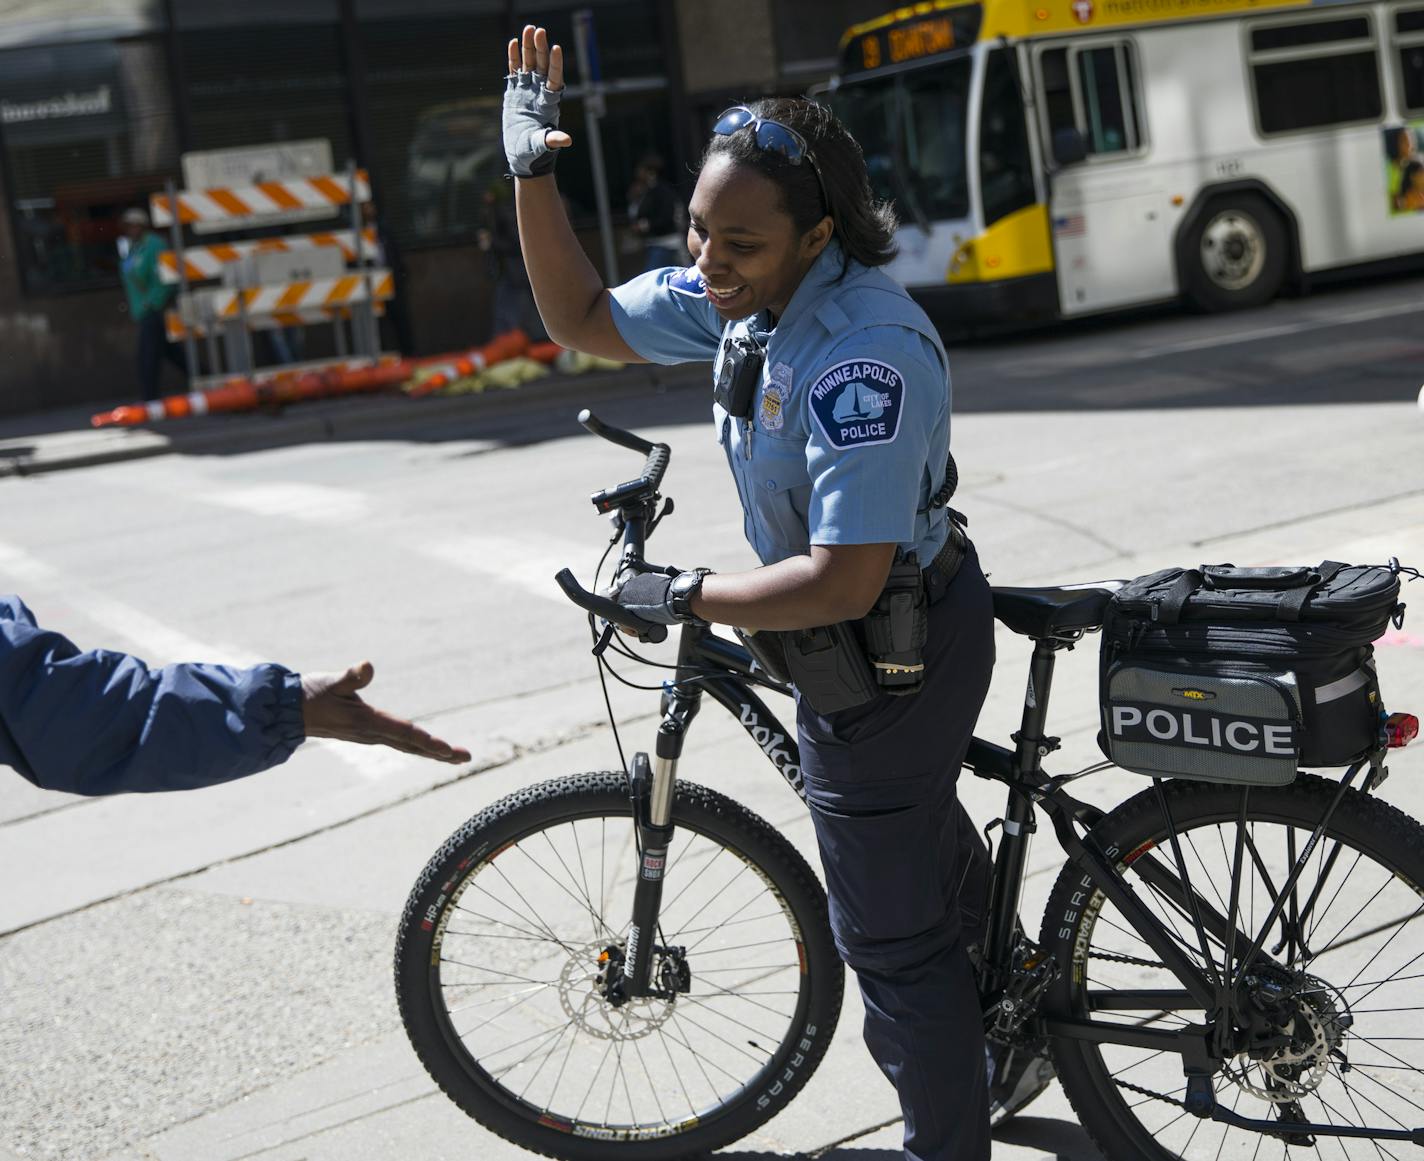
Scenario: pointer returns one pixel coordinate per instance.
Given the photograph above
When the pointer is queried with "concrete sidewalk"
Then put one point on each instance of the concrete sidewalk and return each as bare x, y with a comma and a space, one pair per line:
63, 438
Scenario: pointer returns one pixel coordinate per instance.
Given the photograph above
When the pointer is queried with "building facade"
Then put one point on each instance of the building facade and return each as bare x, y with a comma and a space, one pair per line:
100, 99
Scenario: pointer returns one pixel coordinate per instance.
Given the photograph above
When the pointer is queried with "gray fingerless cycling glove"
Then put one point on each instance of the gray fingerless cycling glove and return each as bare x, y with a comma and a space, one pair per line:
530, 110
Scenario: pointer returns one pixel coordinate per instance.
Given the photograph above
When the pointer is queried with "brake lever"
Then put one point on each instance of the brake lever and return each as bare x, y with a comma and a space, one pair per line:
667, 510
604, 638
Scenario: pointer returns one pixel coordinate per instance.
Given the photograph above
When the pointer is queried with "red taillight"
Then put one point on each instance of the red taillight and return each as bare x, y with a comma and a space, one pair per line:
1400, 730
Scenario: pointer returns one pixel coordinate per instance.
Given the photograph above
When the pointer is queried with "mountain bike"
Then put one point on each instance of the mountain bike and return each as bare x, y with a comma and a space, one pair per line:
626, 964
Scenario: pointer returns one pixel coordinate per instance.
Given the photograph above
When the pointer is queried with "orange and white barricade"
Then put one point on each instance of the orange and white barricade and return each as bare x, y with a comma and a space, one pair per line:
291, 280
267, 198
178, 328
203, 263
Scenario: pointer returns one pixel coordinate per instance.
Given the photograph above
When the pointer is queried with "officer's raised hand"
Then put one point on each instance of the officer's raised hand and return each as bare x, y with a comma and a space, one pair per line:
533, 86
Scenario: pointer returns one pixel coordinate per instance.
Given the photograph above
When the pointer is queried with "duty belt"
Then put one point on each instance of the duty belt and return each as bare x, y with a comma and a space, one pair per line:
945, 566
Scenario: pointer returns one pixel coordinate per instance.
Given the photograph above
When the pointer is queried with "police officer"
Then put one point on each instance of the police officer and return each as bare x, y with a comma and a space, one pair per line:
837, 452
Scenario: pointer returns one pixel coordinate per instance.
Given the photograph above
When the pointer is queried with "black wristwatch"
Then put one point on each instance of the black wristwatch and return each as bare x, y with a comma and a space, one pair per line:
684, 587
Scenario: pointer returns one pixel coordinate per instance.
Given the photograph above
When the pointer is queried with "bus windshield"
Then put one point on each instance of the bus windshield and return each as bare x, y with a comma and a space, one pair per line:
912, 127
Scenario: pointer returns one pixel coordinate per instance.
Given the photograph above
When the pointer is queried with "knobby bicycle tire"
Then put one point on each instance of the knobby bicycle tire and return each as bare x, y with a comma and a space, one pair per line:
1362, 955
489, 876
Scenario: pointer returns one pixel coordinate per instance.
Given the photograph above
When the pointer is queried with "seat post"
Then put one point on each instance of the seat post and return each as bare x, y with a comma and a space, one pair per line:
1032, 745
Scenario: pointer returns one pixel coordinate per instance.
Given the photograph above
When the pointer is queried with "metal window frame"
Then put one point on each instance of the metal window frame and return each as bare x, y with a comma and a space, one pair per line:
1398, 43
1129, 84
1335, 48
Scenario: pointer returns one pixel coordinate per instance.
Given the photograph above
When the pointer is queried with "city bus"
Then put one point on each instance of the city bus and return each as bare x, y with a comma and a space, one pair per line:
1057, 158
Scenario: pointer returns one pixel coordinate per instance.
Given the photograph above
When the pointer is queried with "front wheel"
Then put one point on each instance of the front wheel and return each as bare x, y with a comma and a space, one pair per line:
1235, 256
1335, 998
509, 934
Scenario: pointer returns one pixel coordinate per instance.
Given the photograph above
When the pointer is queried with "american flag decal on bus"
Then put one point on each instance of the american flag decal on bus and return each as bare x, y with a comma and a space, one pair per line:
1070, 226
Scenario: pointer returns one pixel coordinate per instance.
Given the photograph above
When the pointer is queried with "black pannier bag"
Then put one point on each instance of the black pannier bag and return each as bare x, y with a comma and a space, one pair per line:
1225, 674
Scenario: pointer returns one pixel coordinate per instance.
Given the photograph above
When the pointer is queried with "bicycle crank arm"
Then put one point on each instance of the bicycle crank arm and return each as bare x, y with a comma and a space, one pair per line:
1283, 1128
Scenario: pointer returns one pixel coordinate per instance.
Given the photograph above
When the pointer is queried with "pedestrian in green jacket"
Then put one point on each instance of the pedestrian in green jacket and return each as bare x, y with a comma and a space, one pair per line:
148, 297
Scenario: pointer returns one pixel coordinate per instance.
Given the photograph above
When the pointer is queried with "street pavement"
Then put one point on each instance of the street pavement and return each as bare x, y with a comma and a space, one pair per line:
206, 977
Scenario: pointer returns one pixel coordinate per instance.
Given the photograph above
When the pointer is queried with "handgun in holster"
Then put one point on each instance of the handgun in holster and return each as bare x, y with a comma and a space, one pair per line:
897, 627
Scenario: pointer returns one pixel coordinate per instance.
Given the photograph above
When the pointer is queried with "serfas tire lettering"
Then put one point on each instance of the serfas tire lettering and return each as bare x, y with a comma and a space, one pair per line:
1081, 914
771, 746
793, 1066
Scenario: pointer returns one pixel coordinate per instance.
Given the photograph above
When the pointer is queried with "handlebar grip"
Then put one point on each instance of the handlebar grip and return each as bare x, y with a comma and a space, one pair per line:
656, 464
608, 610
616, 435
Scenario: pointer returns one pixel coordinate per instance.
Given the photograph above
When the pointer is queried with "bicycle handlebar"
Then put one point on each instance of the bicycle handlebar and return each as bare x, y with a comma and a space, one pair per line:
658, 455
633, 500
608, 610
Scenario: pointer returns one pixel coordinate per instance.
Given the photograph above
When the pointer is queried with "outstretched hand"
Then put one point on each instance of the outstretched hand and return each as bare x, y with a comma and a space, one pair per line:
332, 708
530, 52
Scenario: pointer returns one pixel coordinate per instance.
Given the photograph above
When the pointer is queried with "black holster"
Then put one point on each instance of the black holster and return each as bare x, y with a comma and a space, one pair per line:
828, 666
897, 627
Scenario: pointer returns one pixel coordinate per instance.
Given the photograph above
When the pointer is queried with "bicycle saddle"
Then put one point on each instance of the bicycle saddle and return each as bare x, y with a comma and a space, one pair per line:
1053, 612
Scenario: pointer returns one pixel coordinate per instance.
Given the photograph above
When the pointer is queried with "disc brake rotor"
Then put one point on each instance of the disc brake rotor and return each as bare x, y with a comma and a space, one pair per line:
582, 999
1316, 1029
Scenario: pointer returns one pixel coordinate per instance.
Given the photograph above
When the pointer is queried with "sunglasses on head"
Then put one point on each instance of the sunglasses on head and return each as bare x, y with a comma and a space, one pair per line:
771, 137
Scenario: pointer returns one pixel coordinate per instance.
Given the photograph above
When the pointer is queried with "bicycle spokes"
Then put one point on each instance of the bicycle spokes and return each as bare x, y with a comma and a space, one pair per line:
538, 936
1317, 943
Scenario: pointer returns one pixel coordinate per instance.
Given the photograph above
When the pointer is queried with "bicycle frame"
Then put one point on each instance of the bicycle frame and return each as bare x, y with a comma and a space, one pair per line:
724, 669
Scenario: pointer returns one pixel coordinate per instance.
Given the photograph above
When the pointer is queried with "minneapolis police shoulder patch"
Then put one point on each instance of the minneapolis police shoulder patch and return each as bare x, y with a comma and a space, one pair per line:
688, 282
858, 403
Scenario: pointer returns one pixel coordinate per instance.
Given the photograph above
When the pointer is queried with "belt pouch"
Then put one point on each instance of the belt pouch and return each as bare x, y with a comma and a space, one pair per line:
767, 650
828, 667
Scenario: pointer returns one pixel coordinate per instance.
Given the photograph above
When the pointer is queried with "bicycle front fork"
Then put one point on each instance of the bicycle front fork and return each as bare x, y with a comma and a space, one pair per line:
652, 786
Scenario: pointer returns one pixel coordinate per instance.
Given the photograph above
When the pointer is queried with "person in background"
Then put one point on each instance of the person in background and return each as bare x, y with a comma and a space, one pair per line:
655, 215
97, 723
148, 298
498, 237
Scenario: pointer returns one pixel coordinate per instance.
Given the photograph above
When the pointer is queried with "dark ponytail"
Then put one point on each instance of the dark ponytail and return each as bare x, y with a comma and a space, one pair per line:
864, 226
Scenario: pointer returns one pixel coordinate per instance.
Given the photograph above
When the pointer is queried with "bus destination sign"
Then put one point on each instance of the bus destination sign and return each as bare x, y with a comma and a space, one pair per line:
876, 46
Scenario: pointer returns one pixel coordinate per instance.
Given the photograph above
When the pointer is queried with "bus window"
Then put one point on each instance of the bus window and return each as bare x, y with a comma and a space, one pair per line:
1005, 169
1409, 38
1100, 82
912, 127
1312, 74
1101, 105
1057, 91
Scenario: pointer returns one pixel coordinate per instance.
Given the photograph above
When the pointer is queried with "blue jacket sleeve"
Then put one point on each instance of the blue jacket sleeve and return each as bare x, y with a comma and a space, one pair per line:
105, 723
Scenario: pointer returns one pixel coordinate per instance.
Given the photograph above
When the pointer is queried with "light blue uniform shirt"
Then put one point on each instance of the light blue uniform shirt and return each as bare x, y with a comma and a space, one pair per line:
849, 431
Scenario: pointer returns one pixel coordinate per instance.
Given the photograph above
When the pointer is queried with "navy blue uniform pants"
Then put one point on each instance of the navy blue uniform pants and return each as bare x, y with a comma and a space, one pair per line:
153, 347
907, 873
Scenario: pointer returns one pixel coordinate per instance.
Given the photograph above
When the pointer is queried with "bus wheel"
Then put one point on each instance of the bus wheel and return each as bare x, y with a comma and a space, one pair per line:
1235, 256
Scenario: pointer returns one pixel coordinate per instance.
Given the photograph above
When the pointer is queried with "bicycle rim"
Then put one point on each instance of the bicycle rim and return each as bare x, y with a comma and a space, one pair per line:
520, 944
1346, 994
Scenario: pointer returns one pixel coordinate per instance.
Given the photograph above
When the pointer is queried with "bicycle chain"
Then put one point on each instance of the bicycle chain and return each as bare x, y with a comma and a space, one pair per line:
1127, 1084
1131, 959
1147, 1092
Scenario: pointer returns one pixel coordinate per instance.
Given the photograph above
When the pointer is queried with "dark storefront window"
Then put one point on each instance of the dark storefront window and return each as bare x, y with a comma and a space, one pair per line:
434, 83
263, 71
87, 132
628, 39
435, 75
